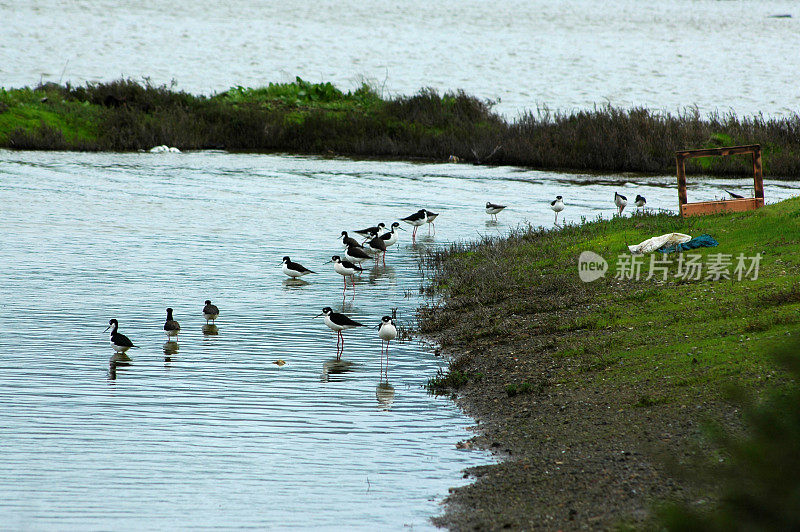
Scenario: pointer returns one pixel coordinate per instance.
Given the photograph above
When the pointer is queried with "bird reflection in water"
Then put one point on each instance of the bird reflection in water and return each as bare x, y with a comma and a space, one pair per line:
380, 272
384, 393
171, 348
294, 283
117, 360
335, 367
210, 330
492, 223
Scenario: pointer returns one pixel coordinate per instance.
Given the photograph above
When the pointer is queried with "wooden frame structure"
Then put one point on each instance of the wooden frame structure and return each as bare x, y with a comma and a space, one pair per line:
731, 205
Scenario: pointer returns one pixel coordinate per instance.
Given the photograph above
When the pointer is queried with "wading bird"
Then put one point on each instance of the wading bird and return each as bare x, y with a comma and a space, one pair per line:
557, 205
338, 322
493, 209
356, 254
293, 269
387, 331
620, 201
416, 220
171, 327
348, 241
734, 196
346, 269
431, 217
210, 312
639, 201
367, 233
119, 341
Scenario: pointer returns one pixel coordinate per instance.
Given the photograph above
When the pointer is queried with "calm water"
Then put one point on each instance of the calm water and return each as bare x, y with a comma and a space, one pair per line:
215, 434
668, 54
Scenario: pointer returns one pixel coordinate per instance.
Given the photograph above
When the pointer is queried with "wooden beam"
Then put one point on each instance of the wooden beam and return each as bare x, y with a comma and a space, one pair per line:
679, 162
716, 152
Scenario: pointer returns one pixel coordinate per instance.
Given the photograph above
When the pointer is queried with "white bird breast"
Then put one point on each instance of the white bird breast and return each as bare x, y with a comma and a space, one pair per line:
387, 332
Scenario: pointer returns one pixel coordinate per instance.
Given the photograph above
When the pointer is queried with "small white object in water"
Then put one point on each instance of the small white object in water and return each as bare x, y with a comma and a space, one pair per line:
164, 149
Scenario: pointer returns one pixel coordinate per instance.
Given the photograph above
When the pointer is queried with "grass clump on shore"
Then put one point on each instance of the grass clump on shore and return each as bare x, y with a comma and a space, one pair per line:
319, 118
757, 471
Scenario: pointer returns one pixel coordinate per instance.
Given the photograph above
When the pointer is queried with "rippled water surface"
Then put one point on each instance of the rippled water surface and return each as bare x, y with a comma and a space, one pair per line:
210, 432
526, 53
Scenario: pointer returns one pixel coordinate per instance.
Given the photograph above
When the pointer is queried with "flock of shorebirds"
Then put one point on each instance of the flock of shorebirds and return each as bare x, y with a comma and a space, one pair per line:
374, 243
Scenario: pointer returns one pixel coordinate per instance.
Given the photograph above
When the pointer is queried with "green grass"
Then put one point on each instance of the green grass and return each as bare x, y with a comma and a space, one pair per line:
691, 337
305, 117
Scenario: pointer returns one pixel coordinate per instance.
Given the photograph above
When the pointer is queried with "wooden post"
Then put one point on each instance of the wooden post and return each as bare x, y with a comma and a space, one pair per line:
757, 174
680, 163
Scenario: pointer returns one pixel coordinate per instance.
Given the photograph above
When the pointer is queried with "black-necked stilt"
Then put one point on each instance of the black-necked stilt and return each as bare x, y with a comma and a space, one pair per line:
119, 341
171, 327
640, 201
431, 216
493, 209
416, 220
349, 241
366, 233
377, 247
293, 269
390, 237
356, 254
210, 312
734, 196
557, 205
620, 201
387, 331
346, 269
338, 322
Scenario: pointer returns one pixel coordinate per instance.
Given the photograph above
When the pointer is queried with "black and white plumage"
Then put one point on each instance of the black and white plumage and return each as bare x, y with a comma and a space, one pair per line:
348, 241
338, 322
431, 217
557, 205
356, 254
377, 247
171, 327
387, 331
210, 312
734, 196
620, 201
416, 220
390, 237
493, 208
119, 341
293, 269
346, 269
369, 230
639, 201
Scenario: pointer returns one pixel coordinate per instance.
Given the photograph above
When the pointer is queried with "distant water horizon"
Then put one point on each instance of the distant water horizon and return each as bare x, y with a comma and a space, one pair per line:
523, 55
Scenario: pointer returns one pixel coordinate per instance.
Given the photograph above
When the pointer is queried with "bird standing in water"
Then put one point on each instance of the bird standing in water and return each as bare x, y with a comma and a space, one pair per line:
387, 331
493, 209
557, 205
639, 201
416, 220
119, 341
338, 322
210, 312
431, 217
171, 327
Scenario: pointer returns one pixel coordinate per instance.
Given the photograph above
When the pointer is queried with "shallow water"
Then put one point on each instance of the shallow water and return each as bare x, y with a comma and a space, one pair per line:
526, 54
209, 432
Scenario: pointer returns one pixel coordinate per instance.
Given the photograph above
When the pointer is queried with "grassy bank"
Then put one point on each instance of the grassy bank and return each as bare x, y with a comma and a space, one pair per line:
588, 387
305, 117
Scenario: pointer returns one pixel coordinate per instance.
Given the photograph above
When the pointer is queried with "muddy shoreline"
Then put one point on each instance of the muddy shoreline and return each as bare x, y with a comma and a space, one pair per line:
595, 395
